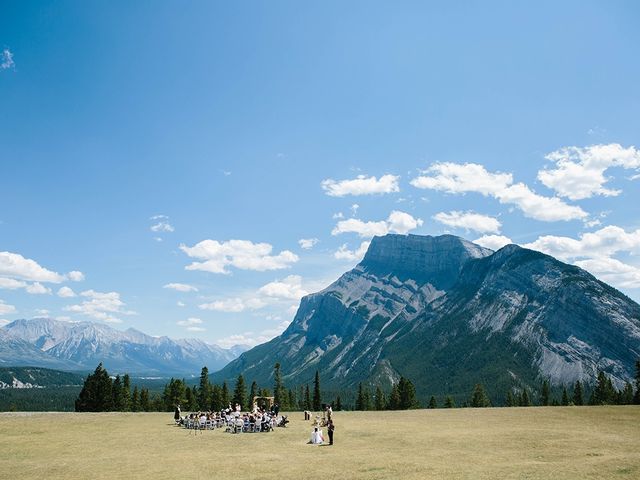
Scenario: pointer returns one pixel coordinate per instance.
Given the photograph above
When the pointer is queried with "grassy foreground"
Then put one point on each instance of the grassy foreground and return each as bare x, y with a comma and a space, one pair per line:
522, 443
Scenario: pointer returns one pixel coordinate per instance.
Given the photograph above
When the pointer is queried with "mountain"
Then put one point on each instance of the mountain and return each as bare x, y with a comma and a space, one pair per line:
81, 346
35, 377
447, 314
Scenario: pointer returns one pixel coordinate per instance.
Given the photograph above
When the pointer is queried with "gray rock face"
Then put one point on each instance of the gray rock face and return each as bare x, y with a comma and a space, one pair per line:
448, 314
76, 346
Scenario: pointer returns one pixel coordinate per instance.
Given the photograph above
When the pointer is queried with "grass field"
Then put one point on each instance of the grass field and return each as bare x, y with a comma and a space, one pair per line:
500, 443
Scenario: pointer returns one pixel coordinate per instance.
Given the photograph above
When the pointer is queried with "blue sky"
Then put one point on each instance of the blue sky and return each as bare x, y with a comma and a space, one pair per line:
173, 155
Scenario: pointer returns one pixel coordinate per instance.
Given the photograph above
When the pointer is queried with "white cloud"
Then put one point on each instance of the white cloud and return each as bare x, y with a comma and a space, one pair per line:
397, 222
75, 276
6, 308
493, 242
252, 339
243, 254
343, 253
580, 172
308, 243
469, 221
4, 322
361, 185
602, 243
470, 177
181, 287
612, 271
354, 208
102, 306
37, 289
64, 318
42, 311
181, 304
66, 292
338, 216
289, 288
11, 283
233, 305
159, 217
191, 324
162, 227
6, 59
16, 266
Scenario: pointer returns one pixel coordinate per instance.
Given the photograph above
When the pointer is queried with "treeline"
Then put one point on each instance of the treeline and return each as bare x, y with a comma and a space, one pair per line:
49, 399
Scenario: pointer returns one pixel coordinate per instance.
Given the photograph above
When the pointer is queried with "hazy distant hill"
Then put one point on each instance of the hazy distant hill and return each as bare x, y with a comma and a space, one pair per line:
447, 313
81, 346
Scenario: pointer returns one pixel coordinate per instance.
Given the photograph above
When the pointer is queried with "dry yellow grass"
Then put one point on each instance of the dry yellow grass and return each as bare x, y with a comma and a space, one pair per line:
518, 443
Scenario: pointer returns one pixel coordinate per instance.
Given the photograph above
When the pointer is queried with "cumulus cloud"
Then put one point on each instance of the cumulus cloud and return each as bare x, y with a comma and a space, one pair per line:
289, 288
470, 177
243, 254
493, 242
75, 276
361, 185
579, 172
14, 265
6, 59
308, 243
343, 253
469, 221
397, 222
181, 304
6, 308
66, 292
181, 287
233, 305
37, 289
612, 271
191, 324
253, 338
101, 306
11, 283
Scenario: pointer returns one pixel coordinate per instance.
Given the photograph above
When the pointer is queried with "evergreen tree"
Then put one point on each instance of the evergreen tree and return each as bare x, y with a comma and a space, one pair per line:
407, 393
217, 404
317, 399
636, 395
525, 401
174, 394
240, 393
544, 398
253, 393
509, 400
145, 404
626, 395
301, 398
479, 397
135, 400
279, 391
338, 404
449, 403
97, 392
394, 398
578, 394
292, 404
432, 402
379, 400
126, 392
116, 394
204, 389
307, 398
189, 401
604, 393
565, 397
360, 398
225, 395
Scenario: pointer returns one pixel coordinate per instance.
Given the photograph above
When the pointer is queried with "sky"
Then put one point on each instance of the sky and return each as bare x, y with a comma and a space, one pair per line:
192, 169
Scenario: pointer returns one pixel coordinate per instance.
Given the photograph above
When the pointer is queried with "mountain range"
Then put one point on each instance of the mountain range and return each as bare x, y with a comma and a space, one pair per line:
447, 314
44, 342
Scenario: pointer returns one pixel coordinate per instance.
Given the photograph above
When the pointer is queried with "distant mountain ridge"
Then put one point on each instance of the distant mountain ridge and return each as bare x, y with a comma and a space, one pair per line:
447, 313
81, 346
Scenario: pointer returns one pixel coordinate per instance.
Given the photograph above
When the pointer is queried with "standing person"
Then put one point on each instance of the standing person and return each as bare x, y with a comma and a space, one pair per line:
330, 428
176, 413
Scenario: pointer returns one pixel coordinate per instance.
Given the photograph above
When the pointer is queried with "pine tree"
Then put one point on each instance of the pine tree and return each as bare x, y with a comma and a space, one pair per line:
407, 393
449, 403
116, 394
626, 394
145, 404
189, 401
279, 391
307, 398
254, 392
317, 399
97, 392
636, 395
135, 400
338, 404
379, 400
604, 393
240, 393
565, 397
525, 401
394, 398
204, 389
225, 395
360, 398
292, 403
126, 392
544, 398
479, 397
217, 404
578, 394
509, 400
432, 402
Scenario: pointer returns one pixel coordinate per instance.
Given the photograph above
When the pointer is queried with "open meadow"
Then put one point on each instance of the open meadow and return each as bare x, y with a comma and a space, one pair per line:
523, 443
